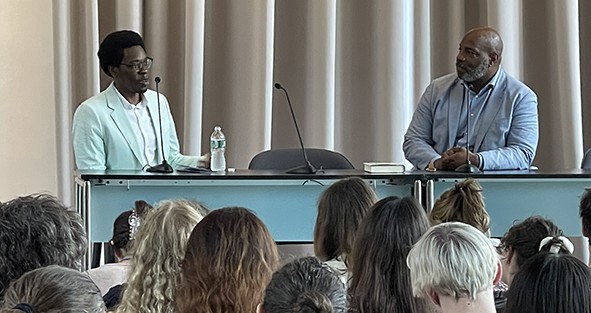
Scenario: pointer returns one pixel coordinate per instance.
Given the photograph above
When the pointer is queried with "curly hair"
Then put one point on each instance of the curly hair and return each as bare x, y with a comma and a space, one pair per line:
341, 208
158, 252
229, 261
35, 231
462, 203
380, 278
55, 289
111, 49
305, 285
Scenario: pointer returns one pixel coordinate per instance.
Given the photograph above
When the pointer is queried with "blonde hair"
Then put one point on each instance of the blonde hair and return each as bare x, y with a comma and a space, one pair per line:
229, 261
454, 259
158, 251
462, 203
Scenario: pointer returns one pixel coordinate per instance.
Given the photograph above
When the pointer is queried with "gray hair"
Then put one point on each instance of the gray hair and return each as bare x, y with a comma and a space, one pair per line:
55, 289
454, 259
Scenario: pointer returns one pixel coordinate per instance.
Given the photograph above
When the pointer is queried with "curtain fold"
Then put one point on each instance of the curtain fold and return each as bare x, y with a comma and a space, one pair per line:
354, 69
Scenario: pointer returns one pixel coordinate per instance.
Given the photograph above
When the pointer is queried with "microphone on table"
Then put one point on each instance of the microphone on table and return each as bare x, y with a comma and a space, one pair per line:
164, 167
468, 167
306, 168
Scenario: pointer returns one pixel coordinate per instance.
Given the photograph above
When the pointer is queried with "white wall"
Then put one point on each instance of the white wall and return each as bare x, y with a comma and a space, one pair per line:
27, 109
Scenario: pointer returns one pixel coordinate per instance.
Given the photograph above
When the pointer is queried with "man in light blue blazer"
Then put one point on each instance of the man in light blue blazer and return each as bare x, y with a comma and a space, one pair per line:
503, 113
119, 129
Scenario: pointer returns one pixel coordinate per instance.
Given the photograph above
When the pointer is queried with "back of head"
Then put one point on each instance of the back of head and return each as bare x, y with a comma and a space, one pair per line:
454, 259
462, 203
551, 283
36, 231
229, 260
111, 49
585, 212
305, 285
54, 289
341, 208
127, 224
158, 251
380, 278
525, 237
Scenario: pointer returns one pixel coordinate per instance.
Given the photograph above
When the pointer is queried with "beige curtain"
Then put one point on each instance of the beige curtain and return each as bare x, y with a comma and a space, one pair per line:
354, 69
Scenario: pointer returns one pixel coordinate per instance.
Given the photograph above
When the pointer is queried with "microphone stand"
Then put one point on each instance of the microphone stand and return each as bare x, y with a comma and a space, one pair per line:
468, 167
164, 167
306, 168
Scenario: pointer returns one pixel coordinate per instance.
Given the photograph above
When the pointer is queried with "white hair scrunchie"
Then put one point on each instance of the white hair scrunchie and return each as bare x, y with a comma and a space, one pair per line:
555, 248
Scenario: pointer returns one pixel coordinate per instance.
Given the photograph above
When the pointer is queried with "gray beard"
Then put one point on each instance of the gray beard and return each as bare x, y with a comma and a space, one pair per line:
475, 74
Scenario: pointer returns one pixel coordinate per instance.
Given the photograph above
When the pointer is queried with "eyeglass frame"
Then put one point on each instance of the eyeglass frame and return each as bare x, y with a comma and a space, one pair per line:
138, 66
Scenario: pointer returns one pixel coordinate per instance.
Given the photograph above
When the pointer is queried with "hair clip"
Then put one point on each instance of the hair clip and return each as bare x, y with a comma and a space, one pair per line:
555, 248
134, 224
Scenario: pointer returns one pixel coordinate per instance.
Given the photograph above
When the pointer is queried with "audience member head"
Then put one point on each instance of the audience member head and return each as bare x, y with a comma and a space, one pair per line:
126, 226
462, 203
110, 52
305, 285
380, 278
551, 283
230, 259
53, 289
522, 241
341, 208
36, 231
454, 261
585, 213
158, 251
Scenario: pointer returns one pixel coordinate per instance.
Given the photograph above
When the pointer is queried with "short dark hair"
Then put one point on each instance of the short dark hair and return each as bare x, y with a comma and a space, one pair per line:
380, 276
525, 237
123, 231
305, 285
35, 231
551, 283
585, 211
111, 50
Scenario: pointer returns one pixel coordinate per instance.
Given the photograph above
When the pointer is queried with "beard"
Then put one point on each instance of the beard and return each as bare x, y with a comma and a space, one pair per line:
474, 74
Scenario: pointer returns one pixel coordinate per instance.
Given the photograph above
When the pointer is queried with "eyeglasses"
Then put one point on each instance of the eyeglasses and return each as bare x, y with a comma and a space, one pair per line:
140, 65
502, 248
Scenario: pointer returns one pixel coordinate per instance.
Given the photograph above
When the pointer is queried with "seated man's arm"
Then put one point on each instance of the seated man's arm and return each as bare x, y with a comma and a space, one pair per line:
87, 140
521, 140
418, 140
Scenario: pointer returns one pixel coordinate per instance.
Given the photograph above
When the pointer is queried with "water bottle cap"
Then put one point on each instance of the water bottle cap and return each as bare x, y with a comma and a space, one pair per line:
217, 128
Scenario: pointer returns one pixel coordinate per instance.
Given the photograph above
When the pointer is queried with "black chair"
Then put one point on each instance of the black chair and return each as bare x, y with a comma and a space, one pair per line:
586, 163
284, 159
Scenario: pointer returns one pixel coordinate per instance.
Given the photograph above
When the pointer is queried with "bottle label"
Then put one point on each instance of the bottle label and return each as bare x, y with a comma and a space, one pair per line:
218, 144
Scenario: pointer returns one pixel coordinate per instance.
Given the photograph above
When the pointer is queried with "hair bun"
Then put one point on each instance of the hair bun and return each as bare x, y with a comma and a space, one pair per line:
556, 244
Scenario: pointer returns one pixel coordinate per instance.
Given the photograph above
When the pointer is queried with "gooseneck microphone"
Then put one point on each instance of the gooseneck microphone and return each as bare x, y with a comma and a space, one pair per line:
164, 167
468, 167
306, 168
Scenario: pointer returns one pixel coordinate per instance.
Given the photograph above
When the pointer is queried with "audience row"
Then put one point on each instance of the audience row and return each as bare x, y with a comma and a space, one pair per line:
371, 255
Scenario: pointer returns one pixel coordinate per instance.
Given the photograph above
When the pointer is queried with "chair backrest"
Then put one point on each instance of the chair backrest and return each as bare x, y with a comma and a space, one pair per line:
586, 163
283, 159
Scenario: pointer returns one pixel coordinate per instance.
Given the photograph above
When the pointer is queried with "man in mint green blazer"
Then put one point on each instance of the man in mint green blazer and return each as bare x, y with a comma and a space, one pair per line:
119, 129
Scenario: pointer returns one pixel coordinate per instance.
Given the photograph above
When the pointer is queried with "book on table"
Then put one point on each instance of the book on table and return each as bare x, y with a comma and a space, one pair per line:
383, 167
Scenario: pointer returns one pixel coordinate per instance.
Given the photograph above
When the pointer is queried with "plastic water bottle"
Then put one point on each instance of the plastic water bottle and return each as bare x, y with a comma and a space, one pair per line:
218, 150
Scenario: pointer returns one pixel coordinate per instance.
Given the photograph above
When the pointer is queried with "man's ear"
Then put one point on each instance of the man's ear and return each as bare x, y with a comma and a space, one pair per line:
114, 70
433, 296
494, 58
510, 255
499, 273
260, 308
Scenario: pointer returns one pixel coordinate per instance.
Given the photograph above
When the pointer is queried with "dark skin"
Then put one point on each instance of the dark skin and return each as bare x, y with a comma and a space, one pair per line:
130, 83
479, 47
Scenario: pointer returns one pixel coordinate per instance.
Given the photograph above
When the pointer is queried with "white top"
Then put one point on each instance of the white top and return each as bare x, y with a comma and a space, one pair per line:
110, 275
141, 123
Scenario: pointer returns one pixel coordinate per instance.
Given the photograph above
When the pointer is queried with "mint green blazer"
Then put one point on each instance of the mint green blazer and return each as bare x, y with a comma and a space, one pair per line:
103, 139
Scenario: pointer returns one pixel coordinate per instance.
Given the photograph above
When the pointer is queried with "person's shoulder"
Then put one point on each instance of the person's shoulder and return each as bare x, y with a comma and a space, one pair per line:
515, 85
444, 82
95, 102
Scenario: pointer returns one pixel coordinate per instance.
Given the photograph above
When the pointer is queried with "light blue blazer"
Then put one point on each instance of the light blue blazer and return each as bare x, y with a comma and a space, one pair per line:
506, 133
104, 140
